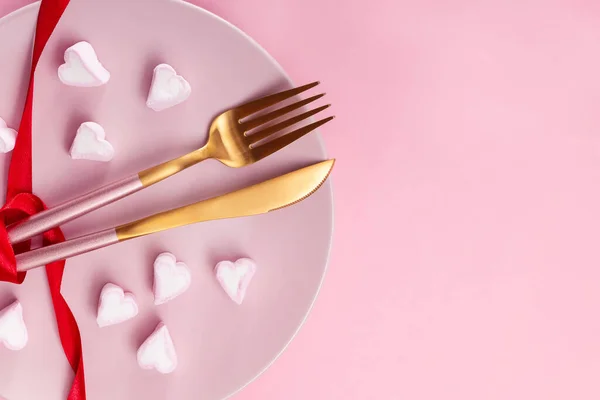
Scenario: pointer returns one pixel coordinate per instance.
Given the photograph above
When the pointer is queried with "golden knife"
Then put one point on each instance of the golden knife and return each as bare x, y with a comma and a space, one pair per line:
270, 195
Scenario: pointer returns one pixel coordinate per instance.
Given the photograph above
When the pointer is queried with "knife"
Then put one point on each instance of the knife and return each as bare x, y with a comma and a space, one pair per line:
273, 194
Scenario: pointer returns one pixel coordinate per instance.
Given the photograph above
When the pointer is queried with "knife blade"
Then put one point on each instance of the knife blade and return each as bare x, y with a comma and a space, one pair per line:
270, 195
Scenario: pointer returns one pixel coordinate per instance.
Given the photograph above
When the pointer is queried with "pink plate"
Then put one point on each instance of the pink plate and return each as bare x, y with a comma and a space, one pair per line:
221, 346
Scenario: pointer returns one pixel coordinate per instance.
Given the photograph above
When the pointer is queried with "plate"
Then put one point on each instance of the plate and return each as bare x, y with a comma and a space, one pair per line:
221, 346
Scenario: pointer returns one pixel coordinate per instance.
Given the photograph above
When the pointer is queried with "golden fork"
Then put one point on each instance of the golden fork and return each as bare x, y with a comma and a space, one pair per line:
233, 139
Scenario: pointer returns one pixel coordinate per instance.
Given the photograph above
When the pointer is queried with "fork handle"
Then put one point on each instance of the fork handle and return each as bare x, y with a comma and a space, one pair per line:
72, 209
95, 199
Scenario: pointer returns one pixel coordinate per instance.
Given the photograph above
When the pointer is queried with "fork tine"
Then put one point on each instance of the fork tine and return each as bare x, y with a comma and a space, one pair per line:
258, 121
265, 133
252, 107
271, 147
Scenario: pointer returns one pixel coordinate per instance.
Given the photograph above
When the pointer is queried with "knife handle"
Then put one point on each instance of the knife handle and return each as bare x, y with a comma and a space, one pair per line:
197, 212
61, 251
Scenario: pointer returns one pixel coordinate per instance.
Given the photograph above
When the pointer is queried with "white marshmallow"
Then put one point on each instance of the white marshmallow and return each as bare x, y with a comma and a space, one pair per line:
13, 332
82, 68
115, 306
167, 89
158, 351
235, 277
171, 278
90, 144
8, 137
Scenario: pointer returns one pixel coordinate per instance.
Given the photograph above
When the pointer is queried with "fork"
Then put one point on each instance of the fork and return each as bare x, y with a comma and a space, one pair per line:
233, 139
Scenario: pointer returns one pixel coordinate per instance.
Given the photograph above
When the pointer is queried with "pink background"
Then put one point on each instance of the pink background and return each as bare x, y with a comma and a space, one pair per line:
465, 262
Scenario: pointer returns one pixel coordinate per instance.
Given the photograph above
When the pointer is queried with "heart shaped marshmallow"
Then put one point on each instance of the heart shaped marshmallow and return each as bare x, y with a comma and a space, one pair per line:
171, 278
13, 332
167, 89
82, 68
8, 137
158, 351
90, 144
235, 277
115, 306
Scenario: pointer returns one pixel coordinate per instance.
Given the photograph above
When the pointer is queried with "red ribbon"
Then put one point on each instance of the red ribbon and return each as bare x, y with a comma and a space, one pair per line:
22, 203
